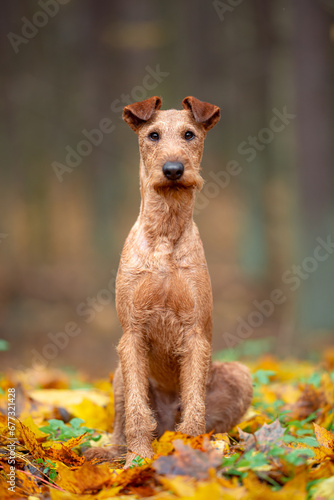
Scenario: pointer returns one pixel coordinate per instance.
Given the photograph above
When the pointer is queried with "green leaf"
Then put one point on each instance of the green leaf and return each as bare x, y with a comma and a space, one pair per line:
262, 377
314, 379
53, 474
138, 461
228, 461
248, 348
76, 422
299, 456
60, 431
308, 440
96, 438
253, 460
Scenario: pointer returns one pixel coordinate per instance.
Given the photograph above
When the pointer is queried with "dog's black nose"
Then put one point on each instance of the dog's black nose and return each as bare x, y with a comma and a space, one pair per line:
173, 170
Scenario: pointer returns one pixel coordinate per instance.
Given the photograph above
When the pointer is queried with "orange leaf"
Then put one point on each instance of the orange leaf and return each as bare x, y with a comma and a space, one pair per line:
24, 485
87, 479
326, 442
61, 452
75, 441
324, 437
197, 442
29, 440
295, 488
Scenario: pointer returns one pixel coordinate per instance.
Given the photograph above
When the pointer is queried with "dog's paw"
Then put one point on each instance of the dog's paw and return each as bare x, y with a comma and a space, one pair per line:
105, 454
191, 429
132, 457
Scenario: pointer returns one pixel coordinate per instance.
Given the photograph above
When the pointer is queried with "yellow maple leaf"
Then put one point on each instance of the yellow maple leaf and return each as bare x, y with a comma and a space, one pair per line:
30, 424
252, 423
221, 445
162, 448
180, 485
93, 415
205, 491
66, 398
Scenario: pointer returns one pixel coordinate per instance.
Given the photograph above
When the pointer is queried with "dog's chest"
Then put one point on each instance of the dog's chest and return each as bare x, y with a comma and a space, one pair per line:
162, 289
165, 295
162, 258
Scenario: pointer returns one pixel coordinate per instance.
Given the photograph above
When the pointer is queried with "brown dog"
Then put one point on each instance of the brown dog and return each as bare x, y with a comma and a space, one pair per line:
165, 379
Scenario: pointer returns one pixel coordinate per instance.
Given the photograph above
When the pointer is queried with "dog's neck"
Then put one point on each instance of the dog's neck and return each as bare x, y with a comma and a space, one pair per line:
166, 213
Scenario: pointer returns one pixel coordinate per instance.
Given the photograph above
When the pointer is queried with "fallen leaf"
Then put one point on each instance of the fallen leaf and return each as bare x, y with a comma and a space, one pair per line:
61, 452
94, 415
67, 398
187, 461
253, 422
310, 400
324, 490
263, 438
220, 445
180, 485
207, 491
325, 439
27, 437
197, 442
24, 484
257, 490
30, 424
87, 479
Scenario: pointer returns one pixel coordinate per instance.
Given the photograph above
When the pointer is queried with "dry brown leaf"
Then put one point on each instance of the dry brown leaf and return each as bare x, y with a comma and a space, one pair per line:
263, 438
187, 461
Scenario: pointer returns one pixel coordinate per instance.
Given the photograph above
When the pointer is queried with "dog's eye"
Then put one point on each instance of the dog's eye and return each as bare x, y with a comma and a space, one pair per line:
154, 136
189, 135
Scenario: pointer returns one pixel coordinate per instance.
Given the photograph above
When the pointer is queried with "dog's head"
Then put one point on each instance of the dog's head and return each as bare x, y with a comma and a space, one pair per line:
171, 142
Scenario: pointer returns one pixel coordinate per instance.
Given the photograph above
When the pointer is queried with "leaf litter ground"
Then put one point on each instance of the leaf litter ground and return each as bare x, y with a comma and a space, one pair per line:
283, 448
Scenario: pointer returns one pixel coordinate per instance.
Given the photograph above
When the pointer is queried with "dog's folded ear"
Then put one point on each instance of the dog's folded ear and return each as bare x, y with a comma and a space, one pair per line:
140, 112
203, 112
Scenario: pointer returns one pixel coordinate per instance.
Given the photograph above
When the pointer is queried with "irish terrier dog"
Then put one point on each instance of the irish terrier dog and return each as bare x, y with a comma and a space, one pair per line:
165, 379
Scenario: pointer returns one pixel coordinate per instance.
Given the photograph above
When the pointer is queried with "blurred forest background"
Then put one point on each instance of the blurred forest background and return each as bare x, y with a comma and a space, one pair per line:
68, 67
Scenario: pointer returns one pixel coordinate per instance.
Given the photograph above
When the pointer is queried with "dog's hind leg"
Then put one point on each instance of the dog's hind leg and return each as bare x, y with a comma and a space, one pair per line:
228, 395
166, 408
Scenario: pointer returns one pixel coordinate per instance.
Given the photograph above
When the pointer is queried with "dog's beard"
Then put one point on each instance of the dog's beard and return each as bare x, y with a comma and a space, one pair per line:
189, 181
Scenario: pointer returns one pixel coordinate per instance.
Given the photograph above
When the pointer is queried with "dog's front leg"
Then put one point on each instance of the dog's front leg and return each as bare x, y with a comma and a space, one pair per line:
139, 421
195, 364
